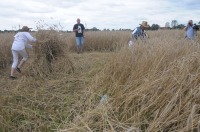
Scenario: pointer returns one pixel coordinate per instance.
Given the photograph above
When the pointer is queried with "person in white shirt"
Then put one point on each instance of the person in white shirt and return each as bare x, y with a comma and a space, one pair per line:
189, 30
19, 48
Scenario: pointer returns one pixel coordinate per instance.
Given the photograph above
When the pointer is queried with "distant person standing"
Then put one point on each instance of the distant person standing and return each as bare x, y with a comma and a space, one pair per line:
79, 30
196, 28
19, 47
189, 30
139, 32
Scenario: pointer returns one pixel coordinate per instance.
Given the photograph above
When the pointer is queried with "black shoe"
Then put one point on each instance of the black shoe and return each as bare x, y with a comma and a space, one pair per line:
13, 78
18, 69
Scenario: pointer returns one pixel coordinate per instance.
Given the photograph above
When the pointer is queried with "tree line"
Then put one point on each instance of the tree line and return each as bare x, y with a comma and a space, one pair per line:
174, 25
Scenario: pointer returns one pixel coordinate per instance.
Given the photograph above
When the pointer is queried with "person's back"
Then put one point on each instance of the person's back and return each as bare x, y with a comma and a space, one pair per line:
18, 48
21, 39
137, 32
190, 32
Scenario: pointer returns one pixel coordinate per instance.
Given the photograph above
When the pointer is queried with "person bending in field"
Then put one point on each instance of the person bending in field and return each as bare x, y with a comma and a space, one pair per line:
139, 32
19, 47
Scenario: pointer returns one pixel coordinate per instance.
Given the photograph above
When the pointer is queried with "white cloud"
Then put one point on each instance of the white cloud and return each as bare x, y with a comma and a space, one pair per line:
112, 14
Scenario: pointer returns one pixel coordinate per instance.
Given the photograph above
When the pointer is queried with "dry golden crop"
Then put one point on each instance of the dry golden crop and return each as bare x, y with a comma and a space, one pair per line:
152, 86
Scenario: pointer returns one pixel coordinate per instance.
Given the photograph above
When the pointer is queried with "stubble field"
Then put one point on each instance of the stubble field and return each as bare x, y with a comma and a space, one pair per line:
152, 86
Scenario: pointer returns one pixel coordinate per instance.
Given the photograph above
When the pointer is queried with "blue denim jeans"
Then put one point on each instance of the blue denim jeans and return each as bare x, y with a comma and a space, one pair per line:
79, 41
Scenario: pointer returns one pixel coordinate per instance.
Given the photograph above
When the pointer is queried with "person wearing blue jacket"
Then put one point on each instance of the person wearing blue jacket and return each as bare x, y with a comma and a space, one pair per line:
139, 32
79, 30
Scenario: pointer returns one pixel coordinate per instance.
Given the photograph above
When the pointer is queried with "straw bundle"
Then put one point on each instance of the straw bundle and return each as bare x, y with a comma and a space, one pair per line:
50, 54
5, 48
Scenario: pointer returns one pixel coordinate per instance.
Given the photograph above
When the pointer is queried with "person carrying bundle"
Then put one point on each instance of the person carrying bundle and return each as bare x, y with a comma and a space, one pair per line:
19, 48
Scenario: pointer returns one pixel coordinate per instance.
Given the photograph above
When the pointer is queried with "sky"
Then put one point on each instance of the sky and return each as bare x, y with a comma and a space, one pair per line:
102, 14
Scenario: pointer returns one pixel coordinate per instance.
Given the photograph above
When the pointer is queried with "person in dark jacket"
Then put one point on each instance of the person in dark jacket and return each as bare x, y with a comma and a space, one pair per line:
79, 30
196, 28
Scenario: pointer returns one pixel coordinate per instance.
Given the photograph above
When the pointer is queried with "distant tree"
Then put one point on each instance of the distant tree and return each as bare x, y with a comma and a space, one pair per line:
167, 25
180, 26
199, 22
154, 27
174, 23
94, 29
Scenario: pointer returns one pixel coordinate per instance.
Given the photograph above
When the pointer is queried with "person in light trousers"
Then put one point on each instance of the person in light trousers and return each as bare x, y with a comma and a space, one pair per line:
21, 40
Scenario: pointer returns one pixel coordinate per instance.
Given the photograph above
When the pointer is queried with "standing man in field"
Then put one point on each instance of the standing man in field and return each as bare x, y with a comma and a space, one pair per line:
79, 30
138, 32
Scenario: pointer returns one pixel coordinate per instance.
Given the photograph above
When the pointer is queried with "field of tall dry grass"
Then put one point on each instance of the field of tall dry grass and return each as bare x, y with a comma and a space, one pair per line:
152, 86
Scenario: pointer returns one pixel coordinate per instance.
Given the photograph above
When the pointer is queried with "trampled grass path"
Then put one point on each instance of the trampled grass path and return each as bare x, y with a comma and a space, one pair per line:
30, 103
